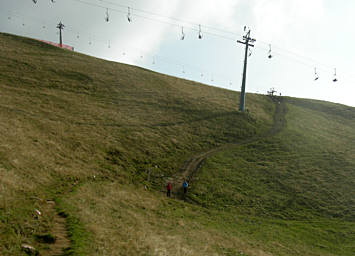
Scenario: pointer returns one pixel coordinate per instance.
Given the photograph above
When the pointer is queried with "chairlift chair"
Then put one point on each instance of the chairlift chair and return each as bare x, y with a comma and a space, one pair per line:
107, 18
316, 76
199, 32
269, 53
335, 75
182, 34
129, 18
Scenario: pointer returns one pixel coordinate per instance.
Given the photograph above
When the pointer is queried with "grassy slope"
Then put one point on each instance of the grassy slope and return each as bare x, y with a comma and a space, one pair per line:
303, 179
68, 117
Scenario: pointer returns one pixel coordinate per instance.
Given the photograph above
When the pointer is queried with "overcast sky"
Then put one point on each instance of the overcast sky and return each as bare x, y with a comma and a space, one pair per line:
303, 34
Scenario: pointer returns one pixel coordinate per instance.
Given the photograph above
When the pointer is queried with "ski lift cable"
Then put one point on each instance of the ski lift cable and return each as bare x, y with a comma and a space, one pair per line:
220, 30
296, 55
163, 58
172, 18
214, 34
294, 58
155, 20
281, 54
217, 35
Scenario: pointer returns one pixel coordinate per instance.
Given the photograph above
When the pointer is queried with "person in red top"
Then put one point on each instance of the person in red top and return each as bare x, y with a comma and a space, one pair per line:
168, 189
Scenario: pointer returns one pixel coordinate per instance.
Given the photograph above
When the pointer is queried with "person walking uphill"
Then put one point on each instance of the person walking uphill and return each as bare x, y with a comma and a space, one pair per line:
168, 189
184, 186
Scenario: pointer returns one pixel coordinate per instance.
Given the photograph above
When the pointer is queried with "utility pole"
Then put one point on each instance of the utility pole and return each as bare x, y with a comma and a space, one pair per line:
60, 26
246, 40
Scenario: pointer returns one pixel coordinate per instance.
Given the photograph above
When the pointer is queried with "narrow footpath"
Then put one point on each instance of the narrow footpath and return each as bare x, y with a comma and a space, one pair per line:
192, 165
187, 171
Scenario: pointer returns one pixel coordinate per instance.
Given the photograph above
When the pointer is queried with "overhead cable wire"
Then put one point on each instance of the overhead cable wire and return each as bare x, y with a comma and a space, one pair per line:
97, 39
195, 24
191, 27
194, 27
302, 59
293, 55
173, 18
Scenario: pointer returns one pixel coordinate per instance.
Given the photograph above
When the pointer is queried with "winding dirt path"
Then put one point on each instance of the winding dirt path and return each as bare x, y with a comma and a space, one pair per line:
187, 171
58, 230
192, 165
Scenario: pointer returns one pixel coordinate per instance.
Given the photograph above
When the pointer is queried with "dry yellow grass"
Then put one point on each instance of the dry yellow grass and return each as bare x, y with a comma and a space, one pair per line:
64, 124
124, 220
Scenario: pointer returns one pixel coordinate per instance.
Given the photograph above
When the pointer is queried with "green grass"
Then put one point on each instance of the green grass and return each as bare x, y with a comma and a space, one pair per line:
303, 177
79, 237
84, 131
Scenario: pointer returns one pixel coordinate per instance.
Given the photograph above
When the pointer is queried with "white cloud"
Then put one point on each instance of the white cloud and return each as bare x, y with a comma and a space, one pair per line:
210, 12
281, 20
153, 32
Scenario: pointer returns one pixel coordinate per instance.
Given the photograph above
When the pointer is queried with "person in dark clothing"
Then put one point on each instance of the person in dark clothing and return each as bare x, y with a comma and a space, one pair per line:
184, 186
168, 189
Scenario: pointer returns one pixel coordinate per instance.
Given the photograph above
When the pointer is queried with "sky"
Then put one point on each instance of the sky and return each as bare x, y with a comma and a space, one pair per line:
304, 35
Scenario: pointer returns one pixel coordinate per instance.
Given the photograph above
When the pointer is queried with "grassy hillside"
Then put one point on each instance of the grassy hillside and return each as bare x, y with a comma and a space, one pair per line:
79, 135
303, 179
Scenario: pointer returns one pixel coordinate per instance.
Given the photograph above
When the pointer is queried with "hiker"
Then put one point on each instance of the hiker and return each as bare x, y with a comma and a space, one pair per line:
184, 186
168, 189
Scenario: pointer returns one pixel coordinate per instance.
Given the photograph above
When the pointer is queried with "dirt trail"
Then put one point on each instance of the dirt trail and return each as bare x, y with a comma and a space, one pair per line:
188, 170
58, 230
192, 165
